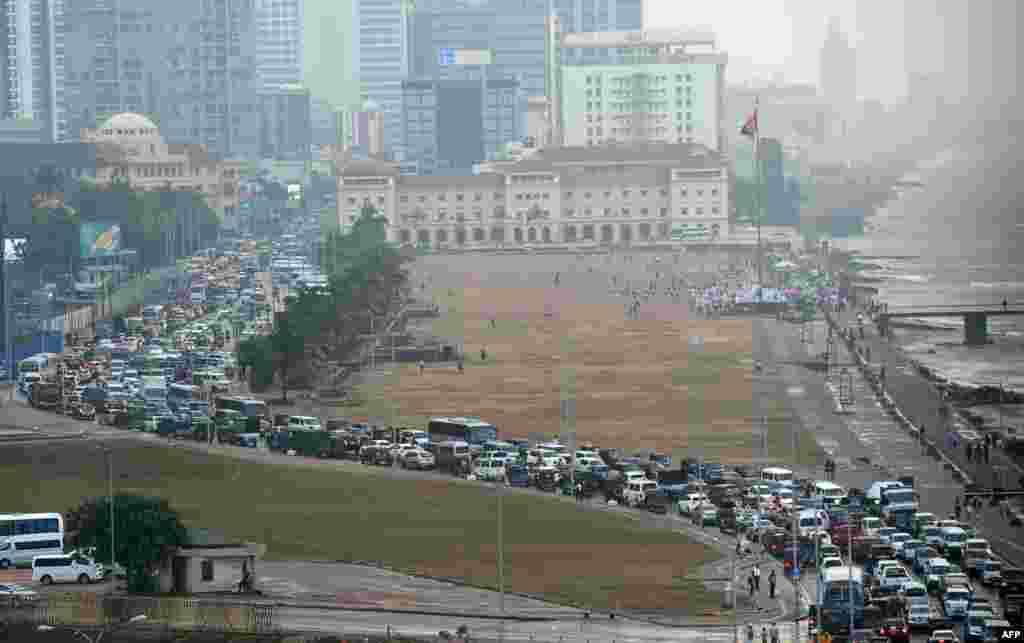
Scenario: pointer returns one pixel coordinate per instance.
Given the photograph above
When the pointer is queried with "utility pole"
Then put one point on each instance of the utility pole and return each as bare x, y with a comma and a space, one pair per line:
501, 549
3, 293
110, 500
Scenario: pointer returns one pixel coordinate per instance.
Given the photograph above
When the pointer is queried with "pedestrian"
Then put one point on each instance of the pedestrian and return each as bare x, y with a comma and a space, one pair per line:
493, 324
775, 633
483, 354
987, 454
764, 634
956, 509
460, 366
757, 578
421, 365
771, 585
750, 633
750, 585
1004, 304
968, 448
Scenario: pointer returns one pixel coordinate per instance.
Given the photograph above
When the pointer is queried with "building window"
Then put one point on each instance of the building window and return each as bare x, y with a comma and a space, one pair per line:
568, 195
459, 197
684, 211
714, 191
625, 212
380, 200
351, 200
607, 212
663, 192
714, 209
682, 192
588, 211
644, 212
422, 199
404, 198
643, 192
625, 194
700, 211
478, 197
206, 568
700, 192
607, 195
664, 212
442, 197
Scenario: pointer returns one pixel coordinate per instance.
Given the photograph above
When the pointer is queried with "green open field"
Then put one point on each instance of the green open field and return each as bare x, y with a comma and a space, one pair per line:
437, 527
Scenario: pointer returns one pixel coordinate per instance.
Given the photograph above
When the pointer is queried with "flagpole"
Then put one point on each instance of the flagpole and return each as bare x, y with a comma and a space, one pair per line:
757, 188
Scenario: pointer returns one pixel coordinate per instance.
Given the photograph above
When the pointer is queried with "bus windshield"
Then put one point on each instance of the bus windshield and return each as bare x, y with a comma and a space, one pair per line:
900, 496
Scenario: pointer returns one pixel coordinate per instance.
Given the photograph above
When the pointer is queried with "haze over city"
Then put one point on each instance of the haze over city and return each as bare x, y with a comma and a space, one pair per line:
574, 321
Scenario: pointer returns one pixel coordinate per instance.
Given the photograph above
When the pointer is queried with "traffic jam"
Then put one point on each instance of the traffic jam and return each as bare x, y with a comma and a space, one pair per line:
879, 564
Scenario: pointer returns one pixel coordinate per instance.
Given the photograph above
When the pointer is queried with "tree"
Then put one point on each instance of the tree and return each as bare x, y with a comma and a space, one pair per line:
287, 345
146, 529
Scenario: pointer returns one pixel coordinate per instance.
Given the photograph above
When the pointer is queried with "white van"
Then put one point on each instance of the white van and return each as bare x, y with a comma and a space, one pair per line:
636, 491
827, 494
66, 568
23, 549
812, 520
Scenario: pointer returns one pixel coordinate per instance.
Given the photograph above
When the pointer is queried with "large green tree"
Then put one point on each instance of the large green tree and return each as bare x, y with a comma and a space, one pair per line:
146, 529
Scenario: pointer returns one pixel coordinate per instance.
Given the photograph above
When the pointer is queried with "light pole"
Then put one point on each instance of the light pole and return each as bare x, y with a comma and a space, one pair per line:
109, 457
99, 635
4, 295
501, 548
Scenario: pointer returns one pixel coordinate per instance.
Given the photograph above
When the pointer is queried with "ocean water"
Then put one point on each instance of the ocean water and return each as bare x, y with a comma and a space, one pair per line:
957, 240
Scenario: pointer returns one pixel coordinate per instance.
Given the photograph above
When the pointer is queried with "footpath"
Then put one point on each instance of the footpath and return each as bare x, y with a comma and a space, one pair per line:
918, 410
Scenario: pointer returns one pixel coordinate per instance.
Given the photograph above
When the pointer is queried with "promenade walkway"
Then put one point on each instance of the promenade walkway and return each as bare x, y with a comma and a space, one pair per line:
921, 402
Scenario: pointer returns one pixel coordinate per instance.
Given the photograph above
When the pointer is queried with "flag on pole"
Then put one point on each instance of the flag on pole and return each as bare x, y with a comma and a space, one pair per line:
750, 127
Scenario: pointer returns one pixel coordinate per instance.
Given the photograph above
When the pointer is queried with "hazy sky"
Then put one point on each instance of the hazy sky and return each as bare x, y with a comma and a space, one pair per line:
762, 37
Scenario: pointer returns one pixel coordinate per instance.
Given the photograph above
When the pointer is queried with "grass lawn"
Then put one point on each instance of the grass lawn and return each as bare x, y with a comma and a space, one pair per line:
434, 527
669, 381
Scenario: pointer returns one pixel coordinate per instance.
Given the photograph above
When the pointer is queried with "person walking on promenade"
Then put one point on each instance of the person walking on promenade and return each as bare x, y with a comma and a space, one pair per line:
421, 365
1004, 304
764, 634
775, 633
771, 584
750, 585
757, 578
750, 633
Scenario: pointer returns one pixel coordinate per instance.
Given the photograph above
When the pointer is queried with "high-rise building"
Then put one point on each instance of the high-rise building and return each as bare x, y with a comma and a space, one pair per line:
190, 65
453, 123
586, 16
839, 74
382, 28
285, 128
32, 81
667, 86
328, 52
279, 49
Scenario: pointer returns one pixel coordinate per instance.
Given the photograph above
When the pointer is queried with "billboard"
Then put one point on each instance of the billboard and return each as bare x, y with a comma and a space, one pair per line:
13, 247
99, 240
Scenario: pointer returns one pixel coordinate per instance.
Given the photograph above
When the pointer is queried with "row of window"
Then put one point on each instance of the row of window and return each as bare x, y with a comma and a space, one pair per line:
26, 527
527, 196
596, 80
442, 214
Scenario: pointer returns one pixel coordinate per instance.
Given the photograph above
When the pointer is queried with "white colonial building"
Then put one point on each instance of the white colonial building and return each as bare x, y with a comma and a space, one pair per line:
635, 195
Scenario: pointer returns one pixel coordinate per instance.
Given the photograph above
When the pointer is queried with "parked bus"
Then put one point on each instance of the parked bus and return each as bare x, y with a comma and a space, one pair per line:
23, 536
827, 494
777, 474
472, 430
835, 599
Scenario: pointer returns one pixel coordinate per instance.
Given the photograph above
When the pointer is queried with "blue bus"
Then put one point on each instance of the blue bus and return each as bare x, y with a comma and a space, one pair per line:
834, 599
472, 430
252, 410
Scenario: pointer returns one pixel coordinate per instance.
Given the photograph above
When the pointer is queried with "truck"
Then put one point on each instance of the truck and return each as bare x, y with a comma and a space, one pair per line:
674, 483
45, 394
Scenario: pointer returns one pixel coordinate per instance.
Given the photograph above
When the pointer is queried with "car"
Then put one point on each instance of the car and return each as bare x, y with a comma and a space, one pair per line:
979, 603
709, 518
919, 616
418, 459
906, 552
828, 562
914, 594
955, 602
66, 568
974, 625
11, 593
898, 539
894, 578
921, 557
885, 533
957, 578
991, 573
935, 570
896, 630
943, 636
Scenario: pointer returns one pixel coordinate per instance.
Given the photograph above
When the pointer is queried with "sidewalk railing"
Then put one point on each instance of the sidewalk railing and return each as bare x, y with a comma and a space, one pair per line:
88, 609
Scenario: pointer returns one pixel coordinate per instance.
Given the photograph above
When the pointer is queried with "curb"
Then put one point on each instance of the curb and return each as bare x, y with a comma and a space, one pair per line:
416, 612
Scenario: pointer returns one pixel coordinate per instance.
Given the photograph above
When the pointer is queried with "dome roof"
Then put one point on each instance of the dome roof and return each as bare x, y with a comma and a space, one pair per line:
128, 126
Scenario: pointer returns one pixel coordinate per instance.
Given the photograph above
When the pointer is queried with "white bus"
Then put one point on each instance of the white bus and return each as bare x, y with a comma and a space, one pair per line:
24, 536
777, 474
827, 494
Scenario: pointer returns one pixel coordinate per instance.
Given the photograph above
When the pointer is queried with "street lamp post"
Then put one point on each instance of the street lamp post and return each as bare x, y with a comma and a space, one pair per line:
109, 456
4, 294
